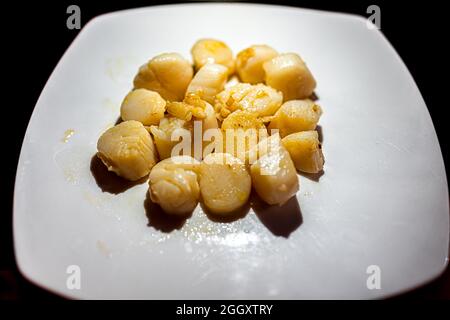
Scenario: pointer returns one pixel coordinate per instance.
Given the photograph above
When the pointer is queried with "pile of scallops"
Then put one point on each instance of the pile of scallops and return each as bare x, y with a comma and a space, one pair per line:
258, 89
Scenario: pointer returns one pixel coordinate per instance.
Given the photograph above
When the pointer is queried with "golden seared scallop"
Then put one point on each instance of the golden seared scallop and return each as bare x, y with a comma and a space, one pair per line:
289, 74
228, 100
305, 150
249, 63
242, 119
180, 110
127, 149
173, 185
170, 132
169, 74
212, 51
242, 130
295, 116
262, 100
208, 81
143, 105
193, 108
259, 99
209, 121
273, 174
200, 117
209, 128
225, 183
201, 110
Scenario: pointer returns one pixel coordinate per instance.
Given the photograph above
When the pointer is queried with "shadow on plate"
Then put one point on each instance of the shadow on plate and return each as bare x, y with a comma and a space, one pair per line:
314, 96
320, 133
108, 181
119, 120
230, 217
160, 220
312, 176
280, 220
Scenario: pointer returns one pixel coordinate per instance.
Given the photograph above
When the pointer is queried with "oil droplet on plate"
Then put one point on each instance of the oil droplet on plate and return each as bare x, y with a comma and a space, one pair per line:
67, 135
102, 247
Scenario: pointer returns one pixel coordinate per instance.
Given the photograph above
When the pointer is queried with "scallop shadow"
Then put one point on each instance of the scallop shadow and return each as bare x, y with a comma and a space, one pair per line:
280, 220
118, 121
314, 96
312, 176
160, 220
108, 181
319, 132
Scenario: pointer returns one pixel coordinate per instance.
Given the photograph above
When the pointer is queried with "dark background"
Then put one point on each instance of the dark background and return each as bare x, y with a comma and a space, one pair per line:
34, 37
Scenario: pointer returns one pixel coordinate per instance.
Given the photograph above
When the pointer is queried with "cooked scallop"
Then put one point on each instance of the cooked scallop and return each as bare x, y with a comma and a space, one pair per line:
289, 74
249, 63
262, 100
225, 183
210, 129
212, 51
208, 81
143, 105
209, 121
199, 116
169, 74
258, 99
171, 132
203, 121
127, 149
273, 174
173, 185
180, 110
229, 99
191, 106
305, 150
296, 116
241, 130
242, 119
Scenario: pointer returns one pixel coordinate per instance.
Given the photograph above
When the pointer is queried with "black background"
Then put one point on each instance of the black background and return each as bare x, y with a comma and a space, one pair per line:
34, 37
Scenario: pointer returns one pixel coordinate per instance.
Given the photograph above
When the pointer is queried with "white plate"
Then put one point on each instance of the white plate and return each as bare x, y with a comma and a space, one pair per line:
382, 201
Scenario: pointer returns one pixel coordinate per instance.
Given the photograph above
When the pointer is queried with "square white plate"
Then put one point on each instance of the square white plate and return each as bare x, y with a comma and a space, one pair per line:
382, 201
